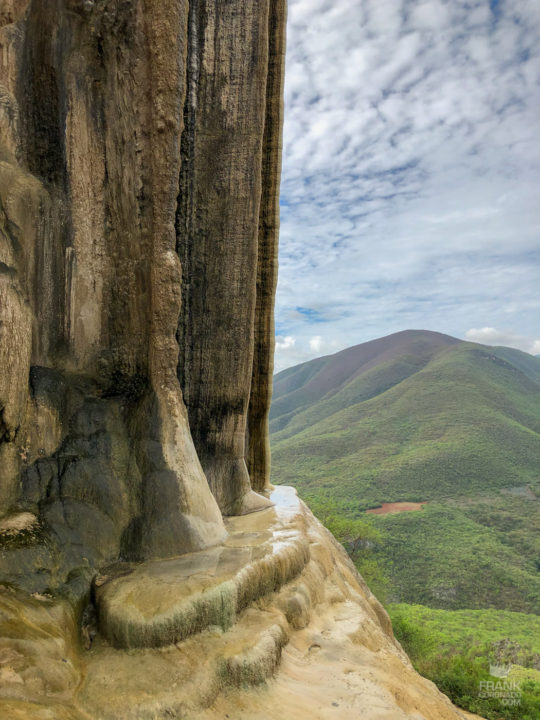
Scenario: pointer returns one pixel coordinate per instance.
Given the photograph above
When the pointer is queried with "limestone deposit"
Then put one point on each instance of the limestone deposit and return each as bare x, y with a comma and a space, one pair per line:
274, 620
146, 568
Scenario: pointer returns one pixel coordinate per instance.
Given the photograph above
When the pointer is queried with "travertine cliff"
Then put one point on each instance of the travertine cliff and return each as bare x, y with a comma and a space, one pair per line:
139, 179
144, 566
275, 622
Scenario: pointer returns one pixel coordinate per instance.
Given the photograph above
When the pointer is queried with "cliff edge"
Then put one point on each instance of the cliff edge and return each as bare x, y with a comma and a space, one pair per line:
147, 568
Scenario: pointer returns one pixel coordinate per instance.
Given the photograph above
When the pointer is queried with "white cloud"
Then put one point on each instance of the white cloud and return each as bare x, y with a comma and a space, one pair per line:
507, 338
290, 352
319, 345
285, 343
411, 169
315, 344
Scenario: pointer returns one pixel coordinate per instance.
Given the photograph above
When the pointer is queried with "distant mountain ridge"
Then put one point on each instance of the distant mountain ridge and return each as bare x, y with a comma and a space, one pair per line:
365, 371
309, 382
420, 416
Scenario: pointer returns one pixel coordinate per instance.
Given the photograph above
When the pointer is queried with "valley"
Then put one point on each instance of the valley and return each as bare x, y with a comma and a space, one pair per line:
421, 453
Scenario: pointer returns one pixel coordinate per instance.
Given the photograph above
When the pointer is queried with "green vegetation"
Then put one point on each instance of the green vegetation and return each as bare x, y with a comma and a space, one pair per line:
464, 423
461, 558
456, 425
360, 538
456, 555
451, 630
420, 417
455, 649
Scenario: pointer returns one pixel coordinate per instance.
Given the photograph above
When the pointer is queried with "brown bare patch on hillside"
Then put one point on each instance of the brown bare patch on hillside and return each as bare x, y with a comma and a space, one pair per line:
396, 507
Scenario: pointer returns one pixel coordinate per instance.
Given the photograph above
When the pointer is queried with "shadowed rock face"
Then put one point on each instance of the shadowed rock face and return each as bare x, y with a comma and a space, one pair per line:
139, 172
257, 441
217, 228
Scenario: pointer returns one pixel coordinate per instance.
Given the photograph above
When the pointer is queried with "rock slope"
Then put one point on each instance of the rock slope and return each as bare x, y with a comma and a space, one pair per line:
275, 621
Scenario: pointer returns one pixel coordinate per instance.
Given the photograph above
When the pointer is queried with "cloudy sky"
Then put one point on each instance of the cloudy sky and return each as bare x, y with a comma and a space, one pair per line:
411, 173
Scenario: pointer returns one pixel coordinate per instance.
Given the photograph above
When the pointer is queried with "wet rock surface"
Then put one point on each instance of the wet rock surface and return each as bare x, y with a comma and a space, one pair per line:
163, 601
294, 632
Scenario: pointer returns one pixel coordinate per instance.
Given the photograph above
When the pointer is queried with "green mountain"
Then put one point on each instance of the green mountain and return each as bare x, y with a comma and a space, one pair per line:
423, 417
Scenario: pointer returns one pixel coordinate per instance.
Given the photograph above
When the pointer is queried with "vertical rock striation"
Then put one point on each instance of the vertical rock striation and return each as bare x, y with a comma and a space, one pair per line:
257, 438
139, 170
224, 161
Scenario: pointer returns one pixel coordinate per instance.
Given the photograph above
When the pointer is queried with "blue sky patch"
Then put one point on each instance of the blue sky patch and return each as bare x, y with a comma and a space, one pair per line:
411, 173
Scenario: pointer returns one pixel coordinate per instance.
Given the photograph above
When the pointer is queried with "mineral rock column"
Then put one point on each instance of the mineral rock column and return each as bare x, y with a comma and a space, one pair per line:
218, 234
257, 439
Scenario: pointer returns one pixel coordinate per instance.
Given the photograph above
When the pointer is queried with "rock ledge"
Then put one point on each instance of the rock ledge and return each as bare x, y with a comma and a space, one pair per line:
162, 602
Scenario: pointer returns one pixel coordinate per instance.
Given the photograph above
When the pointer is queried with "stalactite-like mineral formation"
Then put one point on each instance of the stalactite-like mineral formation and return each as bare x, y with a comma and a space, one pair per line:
138, 270
144, 565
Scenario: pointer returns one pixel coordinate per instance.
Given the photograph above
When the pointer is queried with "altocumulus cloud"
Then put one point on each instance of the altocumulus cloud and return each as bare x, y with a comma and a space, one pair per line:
411, 171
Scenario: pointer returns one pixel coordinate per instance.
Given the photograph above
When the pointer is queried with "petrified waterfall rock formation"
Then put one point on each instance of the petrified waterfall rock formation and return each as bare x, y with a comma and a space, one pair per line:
228, 187
139, 169
138, 204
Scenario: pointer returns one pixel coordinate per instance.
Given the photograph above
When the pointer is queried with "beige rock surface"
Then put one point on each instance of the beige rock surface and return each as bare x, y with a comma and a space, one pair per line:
338, 669
159, 602
135, 137
305, 638
139, 176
